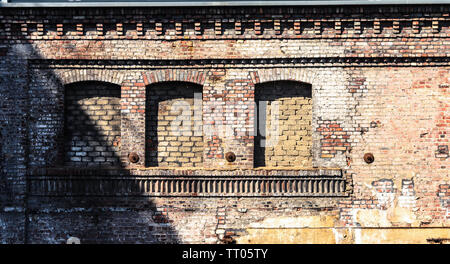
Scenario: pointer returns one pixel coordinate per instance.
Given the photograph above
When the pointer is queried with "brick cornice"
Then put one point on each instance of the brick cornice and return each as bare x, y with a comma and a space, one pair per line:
164, 75
225, 23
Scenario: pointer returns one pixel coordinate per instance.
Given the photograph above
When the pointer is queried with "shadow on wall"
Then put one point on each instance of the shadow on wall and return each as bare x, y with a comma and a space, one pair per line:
91, 150
284, 124
47, 124
174, 125
13, 129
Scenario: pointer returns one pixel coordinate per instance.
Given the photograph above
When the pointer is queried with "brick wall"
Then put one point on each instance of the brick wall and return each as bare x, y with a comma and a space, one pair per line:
376, 81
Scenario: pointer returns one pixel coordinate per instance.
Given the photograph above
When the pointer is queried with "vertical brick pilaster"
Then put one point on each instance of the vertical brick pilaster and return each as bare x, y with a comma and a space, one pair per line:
357, 27
435, 26
238, 27
198, 28
24, 29
257, 28
338, 27
100, 31
297, 27
140, 29
119, 28
40, 29
228, 118
377, 27
317, 27
277, 27
159, 28
218, 27
179, 28
416, 26
80, 29
396, 27
133, 119
60, 29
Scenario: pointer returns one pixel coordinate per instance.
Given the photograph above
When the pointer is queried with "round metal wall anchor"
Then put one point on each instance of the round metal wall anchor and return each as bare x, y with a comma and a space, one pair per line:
133, 157
73, 240
230, 156
369, 158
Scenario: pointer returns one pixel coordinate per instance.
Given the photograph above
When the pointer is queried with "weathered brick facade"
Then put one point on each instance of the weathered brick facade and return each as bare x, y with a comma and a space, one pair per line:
87, 111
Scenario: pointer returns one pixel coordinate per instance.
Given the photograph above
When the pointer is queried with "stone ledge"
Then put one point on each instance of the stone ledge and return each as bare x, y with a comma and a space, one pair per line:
186, 172
202, 183
243, 62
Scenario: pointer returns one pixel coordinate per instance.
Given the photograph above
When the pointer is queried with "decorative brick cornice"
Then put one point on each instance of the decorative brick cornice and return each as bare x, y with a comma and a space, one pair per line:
225, 23
194, 30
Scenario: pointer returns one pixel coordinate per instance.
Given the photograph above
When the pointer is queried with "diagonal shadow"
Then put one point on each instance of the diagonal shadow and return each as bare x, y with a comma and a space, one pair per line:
122, 218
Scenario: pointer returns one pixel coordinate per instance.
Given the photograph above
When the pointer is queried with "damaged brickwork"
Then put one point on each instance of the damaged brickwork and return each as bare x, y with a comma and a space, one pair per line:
83, 89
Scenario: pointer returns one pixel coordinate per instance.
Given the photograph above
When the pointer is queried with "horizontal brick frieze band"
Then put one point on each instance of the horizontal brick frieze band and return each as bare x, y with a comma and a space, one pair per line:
237, 186
256, 62
69, 172
262, 25
67, 181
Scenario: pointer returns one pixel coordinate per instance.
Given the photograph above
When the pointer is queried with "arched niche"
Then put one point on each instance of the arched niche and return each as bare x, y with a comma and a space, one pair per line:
174, 125
92, 124
283, 124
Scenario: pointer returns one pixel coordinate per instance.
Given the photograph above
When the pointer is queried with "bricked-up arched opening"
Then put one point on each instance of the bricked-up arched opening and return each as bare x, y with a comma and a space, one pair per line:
174, 131
284, 116
92, 124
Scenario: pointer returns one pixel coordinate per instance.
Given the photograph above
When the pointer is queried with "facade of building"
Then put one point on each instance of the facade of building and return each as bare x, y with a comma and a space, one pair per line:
282, 123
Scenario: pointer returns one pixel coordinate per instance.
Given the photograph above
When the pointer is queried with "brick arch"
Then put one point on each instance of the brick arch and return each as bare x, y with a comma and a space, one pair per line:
283, 74
175, 75
82, 75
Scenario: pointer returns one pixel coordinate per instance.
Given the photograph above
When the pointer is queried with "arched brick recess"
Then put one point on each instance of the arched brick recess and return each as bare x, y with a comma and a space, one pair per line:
303, 76
284, 134
92, 118
174, 134
159, 79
